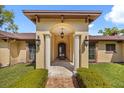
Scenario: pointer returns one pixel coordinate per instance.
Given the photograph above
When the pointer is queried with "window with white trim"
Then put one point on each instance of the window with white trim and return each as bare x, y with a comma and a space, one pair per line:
110, 47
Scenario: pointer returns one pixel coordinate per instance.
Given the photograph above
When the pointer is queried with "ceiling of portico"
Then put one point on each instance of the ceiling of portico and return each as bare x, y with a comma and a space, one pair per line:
62, 27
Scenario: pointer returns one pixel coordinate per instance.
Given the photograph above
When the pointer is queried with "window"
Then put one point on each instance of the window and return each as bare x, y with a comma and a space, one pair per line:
92, 51
32, 51
110, 47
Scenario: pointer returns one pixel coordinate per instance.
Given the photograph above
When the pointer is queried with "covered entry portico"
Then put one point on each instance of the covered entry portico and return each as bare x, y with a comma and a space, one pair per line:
58, 48
62, 43
62, 35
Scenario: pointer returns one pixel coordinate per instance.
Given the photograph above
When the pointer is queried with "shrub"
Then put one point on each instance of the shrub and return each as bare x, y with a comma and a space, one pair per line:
34, 79
88, 78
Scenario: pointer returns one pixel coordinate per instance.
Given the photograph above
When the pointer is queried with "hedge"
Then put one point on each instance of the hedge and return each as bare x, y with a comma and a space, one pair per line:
34, 79
88, 78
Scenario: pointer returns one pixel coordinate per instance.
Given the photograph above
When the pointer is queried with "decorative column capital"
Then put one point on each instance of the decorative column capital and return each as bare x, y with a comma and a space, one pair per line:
77, 34
47, 34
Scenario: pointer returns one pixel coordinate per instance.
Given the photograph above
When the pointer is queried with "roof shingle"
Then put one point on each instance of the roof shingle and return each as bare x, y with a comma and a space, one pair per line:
19, 36
107, 38
32, 36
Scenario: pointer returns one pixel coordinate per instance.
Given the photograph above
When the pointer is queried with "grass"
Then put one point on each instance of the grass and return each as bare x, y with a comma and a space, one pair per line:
22, 75
111, 72
34, 79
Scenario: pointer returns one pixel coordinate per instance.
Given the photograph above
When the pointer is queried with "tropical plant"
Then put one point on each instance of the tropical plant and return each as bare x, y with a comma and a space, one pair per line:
111, 31
7, 20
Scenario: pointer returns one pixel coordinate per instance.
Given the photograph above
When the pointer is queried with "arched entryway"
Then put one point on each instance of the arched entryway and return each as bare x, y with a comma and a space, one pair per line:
54, 46
62, 51
62, 46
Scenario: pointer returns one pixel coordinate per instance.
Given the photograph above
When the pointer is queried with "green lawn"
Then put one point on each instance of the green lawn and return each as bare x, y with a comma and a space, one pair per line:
22, 75
113, 73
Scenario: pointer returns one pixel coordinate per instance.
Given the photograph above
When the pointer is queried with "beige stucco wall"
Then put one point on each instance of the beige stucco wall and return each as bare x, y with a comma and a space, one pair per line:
22, 51
12, 52
103, 56
84, 50
18, 52
40, 51
4, 53
47, 24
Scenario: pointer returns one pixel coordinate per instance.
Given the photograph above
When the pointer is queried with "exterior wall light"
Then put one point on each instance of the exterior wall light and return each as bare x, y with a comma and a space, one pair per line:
38, 41
86, 41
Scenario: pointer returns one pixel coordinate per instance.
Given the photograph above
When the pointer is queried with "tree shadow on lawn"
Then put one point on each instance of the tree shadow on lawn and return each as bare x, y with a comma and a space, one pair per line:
33, 64
121, 63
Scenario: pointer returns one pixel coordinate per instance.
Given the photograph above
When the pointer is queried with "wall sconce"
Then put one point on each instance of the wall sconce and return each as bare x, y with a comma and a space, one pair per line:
38, 41
86, 41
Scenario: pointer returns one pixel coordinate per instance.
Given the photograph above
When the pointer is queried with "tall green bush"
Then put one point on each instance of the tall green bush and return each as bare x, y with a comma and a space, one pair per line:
88, 78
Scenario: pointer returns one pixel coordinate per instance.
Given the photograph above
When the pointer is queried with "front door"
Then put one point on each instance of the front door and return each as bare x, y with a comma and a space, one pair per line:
62, 51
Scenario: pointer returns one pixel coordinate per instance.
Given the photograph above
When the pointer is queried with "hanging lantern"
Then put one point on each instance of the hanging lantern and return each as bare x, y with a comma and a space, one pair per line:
62, 34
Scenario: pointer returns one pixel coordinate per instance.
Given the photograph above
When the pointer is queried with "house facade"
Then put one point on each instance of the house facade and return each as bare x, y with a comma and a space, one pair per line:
106, 49
60, 35
63, 35
16, 48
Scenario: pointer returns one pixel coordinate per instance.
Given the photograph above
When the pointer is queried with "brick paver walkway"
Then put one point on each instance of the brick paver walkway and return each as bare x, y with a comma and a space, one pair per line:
61, 76
58, 82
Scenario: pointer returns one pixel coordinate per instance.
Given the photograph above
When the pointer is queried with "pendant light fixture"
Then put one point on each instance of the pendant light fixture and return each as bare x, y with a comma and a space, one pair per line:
62, 33
62, 21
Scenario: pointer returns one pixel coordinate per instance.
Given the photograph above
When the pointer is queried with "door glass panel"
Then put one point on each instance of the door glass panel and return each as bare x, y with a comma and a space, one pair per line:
62, 51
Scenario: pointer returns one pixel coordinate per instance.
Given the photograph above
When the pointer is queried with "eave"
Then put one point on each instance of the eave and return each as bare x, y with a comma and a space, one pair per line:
35, 15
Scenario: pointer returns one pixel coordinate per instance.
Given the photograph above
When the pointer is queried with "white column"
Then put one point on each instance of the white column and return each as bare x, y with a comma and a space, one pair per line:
47, 51
76, 52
